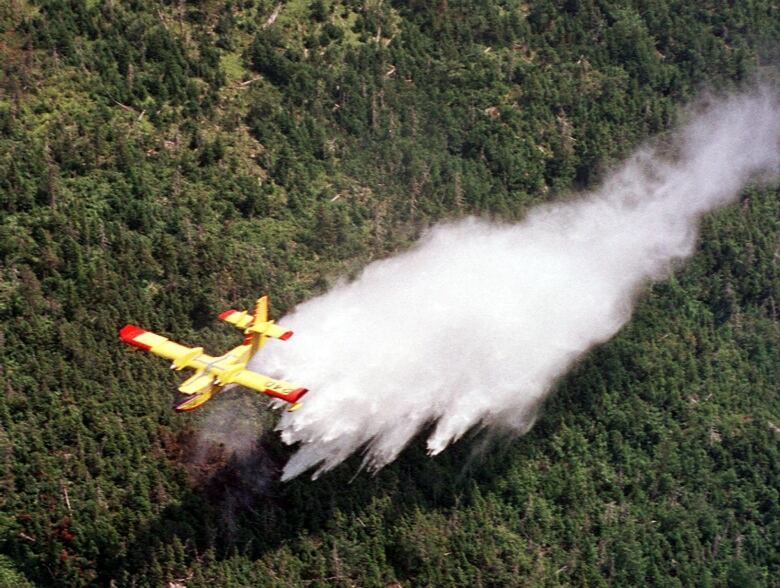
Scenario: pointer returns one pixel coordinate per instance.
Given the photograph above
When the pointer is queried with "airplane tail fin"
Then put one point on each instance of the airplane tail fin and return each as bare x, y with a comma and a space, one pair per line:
261, 310
256, 326
255, 337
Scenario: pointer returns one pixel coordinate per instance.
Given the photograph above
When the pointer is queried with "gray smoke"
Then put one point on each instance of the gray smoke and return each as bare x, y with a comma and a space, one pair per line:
476, 322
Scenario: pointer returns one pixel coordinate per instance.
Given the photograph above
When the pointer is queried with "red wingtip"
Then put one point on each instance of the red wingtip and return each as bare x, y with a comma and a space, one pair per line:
286, 335
224, 315
291, 397
295, 395
129, 334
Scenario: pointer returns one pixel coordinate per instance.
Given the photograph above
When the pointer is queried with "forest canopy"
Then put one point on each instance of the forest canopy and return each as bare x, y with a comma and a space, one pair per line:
163, 161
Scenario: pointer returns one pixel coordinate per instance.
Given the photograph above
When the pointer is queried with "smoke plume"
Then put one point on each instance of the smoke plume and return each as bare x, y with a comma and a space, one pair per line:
475, 323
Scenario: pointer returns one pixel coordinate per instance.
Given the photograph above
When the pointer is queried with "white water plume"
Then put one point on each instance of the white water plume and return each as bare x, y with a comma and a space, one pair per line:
474, 324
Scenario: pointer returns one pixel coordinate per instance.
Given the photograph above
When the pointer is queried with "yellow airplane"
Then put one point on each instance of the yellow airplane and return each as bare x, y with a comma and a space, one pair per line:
214, 373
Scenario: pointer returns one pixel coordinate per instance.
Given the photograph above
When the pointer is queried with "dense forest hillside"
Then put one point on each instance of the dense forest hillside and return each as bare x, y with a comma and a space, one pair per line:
163, 161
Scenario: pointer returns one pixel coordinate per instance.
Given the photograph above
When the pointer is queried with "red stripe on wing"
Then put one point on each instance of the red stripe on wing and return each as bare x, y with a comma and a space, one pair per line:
129, 334
291, 397
224, 315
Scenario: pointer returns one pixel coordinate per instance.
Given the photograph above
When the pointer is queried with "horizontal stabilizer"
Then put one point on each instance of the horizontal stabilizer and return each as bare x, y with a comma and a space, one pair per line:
241, 319
269, 329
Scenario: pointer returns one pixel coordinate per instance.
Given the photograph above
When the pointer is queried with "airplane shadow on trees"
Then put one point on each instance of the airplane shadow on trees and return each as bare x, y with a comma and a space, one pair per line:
236, 503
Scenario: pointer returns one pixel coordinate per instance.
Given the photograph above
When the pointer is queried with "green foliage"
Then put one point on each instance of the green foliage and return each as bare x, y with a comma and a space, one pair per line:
9, 577
162, 161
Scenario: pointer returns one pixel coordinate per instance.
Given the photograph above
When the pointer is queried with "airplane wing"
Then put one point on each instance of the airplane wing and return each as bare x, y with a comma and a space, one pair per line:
276, 388
180, 355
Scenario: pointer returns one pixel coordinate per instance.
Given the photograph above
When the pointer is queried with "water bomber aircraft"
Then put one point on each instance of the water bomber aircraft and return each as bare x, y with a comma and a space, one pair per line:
212, 374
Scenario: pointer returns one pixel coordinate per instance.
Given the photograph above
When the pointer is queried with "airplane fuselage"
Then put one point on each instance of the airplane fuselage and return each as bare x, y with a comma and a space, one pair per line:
205, 382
